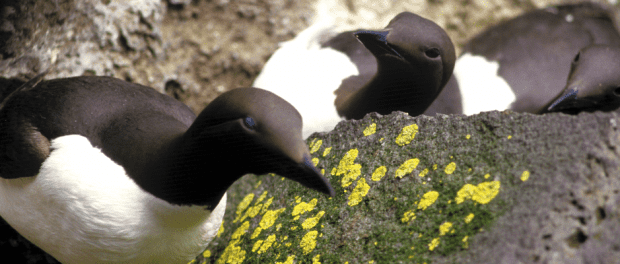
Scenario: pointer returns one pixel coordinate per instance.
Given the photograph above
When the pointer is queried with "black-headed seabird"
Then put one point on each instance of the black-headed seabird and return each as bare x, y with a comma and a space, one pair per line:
401, 67
530, 63
99, 170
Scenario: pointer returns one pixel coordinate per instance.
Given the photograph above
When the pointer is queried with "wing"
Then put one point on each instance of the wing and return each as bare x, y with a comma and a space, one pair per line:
119, 117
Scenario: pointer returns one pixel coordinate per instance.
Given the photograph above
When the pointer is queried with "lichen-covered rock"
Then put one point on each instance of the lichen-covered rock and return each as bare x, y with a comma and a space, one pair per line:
498, 187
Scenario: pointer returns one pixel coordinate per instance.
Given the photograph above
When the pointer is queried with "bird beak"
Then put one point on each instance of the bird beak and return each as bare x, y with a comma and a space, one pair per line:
566, 99
291, 159
572, 101
376, 41
308, 175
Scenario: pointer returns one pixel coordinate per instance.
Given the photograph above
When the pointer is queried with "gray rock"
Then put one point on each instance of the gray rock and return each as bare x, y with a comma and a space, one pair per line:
565, 212
78, 36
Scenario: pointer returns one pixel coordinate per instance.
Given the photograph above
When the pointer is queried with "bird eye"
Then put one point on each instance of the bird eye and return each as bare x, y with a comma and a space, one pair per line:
249, 123
432, 53
576, 59
617, 91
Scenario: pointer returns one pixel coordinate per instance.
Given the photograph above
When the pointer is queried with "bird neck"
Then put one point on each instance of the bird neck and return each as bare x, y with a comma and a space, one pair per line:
397, 85
197, 169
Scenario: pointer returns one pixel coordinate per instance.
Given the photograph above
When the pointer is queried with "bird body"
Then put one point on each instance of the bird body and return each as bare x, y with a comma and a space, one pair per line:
83, 208
98, 170
523, 64
400, 68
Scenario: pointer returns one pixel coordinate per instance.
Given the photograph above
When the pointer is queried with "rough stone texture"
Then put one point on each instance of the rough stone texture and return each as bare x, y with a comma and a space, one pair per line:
566, 212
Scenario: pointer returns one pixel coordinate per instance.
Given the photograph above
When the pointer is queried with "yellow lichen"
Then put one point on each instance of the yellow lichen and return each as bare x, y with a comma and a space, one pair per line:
434, 166
423, 172
486, 176
316, 259
333, 172
450, 168
444, 228
243, 205
261, 197
232, 254
241, 230
206, 253
221, 230
468, 136
407, 135
289, 260
315, 161
370, 130
257, 245
350, 169
359, 192
252, 211
256, 233
326, 151
465, 243
266, 205
258, 184
468, 218
434, 243
312, 221
408, 216
483, 193
267, 244
407, 167
525, 176
303, 207
486, 191
270, 217
308, 242
314, 147
379, 173
428, 199
322, 171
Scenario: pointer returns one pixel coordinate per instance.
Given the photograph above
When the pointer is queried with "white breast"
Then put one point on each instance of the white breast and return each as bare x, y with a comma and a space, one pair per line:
306, 76
83, 208
482, 89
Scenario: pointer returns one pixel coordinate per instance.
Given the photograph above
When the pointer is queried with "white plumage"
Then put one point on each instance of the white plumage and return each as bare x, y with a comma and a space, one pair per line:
83, 208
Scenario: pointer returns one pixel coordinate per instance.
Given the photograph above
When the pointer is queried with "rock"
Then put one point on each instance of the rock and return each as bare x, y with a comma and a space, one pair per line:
78, 36
498, 187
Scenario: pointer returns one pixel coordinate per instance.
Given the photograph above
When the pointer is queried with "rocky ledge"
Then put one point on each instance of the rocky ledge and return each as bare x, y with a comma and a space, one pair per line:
498, 187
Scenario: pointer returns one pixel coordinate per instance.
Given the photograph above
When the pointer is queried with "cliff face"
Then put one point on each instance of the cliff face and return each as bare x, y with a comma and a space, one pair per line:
497, 187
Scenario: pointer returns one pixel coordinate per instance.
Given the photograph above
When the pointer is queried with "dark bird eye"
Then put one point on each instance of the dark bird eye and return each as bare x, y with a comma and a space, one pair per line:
432, 53
576, 59
249, 122
617, 91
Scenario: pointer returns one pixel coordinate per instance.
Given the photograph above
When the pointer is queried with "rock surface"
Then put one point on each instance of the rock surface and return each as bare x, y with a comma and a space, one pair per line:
498, 187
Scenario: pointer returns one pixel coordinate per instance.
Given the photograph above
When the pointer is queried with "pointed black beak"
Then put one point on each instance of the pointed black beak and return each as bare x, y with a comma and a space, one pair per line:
376, 41
307, 175
574, 100
566, 99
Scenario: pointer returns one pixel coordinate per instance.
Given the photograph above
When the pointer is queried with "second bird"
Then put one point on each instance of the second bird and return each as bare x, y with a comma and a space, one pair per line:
402, 67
